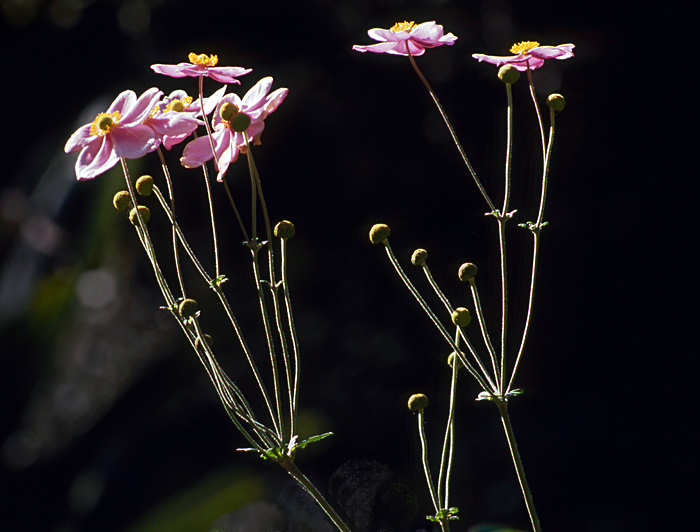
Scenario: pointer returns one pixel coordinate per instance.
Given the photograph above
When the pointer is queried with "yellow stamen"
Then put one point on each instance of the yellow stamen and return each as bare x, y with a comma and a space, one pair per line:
522, 47
104, 123
203, 59
179, 105
403, 26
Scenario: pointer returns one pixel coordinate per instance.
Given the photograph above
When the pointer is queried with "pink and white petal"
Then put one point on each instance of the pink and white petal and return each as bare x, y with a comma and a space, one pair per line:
229, 155
253, 132
197, 152
95, 159
175, 123
255, 97
227, 74
137, 113
233, 98
274, 99
382, 35
80, 139
497, 60
125, 100
180, 70
380, 48
211, 102
427, 31
134, 142
563, 51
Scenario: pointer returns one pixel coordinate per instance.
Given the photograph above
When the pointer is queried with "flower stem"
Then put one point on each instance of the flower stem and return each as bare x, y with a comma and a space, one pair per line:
518, 463
452, 132
294, 471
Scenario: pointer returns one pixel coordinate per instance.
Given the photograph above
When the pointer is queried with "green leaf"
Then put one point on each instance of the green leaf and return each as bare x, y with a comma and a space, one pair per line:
302, 444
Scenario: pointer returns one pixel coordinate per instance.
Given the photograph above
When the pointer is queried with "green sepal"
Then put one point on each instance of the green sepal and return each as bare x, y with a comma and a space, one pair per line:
443, 515
302, 444
218, 281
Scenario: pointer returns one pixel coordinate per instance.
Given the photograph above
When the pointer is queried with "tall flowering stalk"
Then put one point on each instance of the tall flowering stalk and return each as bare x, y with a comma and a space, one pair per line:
133, 127
490, 364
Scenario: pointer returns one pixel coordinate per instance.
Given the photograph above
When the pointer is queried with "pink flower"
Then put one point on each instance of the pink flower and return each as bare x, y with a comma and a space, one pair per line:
120, 132
175, 117
529, 54
202, 65
403, 37
232, 118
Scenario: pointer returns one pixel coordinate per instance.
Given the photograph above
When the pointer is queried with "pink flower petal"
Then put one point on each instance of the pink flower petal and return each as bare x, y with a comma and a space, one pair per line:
133, 142
95, 159
125, 99
137, 112
79, 139
197, 152
255, 97
227, 74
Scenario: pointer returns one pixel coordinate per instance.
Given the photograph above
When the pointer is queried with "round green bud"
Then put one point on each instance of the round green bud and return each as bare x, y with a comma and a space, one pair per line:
467, 271
285, 229
145, 214
417, 402
508, 74
144, 185
461, 317
121, 200
105, 122
556, 102
188, 308
451, 361
419, 257
228, 110
379, 233
239, 122
177, 106
207, 338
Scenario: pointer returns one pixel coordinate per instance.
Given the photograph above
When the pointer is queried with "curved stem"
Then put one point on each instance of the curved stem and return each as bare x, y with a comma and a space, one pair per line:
424, 458
518, 463
537, 110
294, 471
452, 131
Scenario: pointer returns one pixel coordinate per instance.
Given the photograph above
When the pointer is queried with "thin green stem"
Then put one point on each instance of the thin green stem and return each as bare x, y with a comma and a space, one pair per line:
462, 153
504, 298
518, 463
537, 109
448, 442
294, 471
484, 331
293, 333
460, 330
509, 148
485, 386
424, 458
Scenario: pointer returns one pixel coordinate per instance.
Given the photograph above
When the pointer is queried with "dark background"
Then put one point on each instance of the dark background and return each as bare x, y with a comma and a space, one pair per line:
109, 423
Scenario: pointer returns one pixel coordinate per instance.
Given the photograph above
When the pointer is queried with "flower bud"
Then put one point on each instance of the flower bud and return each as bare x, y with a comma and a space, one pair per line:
285, 229
417, 402
556, 102
379, 233
461, 317
207, 338
145, 214
121, 200
452, 358
188, 308
144, 185
419, 257
228, 110
508, 74
239, 122
467, 271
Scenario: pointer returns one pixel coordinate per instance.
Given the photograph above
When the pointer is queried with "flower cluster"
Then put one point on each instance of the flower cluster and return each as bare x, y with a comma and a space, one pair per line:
134, 126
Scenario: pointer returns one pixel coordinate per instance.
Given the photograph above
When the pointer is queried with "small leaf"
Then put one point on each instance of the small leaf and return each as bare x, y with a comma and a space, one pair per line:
302, 444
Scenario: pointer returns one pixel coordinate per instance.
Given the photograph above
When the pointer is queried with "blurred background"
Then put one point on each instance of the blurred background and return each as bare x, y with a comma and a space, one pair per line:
109, 423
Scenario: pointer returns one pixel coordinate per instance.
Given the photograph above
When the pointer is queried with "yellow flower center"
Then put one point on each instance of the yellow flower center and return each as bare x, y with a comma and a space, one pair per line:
104, 123
203, 59
403, 26
522, 47
179, 105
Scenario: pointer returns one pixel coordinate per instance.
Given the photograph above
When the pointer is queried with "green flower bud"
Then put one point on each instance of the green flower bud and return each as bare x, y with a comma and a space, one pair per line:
121, 200
177, 106
419, 257
461, 317
508, 74
379, 233
227, 111
467, 271
556, 102
144, 185
285, 229
417, 402
239, 122
207, 338
145, 214
451, 361
188, 308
